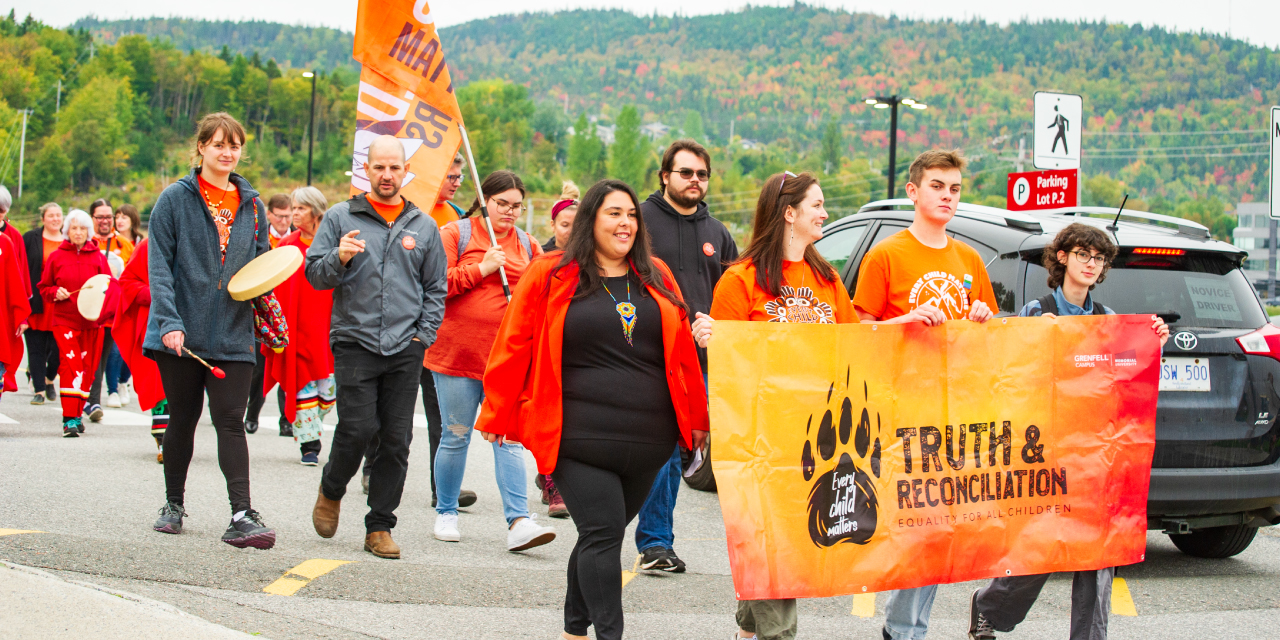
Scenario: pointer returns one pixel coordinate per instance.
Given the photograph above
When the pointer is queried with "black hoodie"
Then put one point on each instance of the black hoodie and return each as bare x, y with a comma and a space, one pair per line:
696, 247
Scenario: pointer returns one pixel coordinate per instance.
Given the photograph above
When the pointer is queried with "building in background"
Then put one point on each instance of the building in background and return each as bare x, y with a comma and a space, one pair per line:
1253, 234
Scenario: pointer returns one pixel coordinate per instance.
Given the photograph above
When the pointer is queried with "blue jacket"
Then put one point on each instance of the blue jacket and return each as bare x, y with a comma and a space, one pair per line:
189, 278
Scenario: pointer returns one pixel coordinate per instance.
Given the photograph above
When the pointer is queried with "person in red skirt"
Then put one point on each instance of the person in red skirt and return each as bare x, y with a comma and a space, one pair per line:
304, 369
79, 340
130, 330
15, 311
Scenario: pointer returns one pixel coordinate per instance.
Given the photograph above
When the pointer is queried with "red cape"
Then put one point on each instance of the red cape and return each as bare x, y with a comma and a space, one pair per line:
131, 328
16, 309
20, 248
308, 356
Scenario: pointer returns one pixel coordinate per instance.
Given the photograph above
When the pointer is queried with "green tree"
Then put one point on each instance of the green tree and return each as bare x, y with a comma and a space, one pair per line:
95, 125
50, 171
693, 127
627, 156
832, 141
585, 152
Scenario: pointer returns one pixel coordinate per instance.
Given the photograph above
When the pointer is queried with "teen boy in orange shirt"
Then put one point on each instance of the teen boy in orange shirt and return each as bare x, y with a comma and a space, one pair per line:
923, 275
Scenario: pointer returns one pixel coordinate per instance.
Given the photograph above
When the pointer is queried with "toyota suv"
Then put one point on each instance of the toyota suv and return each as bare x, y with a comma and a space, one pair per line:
1215, 474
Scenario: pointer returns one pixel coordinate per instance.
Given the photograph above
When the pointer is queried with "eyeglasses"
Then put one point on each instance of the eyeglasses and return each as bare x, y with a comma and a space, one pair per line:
688, 174
455, 177
508, 207
1084, 257
104, 217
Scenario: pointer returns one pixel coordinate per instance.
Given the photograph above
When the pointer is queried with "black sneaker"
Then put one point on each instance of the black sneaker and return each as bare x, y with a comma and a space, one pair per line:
656, 559
250, 427
50, 393
72, 427
170, 520
38, 399
979, 627
249, 531
286, 431
677, 563
95, 414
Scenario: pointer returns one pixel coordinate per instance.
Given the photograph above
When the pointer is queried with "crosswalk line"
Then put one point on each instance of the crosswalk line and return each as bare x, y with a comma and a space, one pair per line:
124, 418
301, 575
7, 420
1121, 599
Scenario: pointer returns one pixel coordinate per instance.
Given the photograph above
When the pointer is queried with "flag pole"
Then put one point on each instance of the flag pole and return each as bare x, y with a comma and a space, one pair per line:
484, 212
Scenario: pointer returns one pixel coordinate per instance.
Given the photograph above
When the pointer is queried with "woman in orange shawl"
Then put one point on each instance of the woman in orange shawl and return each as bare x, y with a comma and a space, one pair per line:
130, 329
304, 369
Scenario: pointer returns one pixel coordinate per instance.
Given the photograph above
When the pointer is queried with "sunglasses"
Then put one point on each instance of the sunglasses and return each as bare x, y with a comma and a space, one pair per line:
688, 174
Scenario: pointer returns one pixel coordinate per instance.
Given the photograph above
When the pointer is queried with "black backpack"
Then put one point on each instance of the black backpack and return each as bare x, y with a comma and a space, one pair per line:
1049, 305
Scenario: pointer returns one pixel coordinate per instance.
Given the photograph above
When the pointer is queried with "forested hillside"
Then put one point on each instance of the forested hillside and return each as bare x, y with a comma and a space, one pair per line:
1175, 119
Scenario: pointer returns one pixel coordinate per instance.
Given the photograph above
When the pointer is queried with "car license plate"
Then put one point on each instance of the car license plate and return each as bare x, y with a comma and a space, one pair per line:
1184, 374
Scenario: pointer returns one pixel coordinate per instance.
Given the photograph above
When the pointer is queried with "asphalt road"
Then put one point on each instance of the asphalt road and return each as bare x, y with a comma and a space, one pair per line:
91, 501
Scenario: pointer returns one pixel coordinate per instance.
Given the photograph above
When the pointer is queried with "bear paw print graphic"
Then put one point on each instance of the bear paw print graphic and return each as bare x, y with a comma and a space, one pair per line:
842, 503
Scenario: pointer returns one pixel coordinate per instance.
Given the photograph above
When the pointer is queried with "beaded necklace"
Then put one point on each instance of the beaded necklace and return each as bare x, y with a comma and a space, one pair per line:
626, 310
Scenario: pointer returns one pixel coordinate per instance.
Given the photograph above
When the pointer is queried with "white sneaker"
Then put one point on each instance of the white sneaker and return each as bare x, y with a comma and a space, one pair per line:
125, 398
447, 527
113, 400
526, 534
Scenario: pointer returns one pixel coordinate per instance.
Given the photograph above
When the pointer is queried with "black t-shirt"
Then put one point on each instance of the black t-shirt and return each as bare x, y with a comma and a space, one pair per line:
614, 390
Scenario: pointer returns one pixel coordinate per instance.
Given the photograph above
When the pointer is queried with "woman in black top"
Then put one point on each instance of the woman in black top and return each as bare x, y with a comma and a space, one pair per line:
42, 351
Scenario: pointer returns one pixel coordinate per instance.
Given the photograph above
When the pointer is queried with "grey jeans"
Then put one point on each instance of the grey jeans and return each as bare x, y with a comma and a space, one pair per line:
1006, 601
768, 619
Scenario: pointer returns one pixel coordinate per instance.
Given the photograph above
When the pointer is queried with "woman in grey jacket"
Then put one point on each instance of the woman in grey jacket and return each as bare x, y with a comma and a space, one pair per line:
204, 228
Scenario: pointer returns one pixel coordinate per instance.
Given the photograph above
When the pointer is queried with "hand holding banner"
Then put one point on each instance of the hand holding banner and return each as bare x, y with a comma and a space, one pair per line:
897, 456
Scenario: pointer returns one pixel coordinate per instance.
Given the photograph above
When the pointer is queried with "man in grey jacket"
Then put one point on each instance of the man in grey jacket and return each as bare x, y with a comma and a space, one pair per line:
383, 259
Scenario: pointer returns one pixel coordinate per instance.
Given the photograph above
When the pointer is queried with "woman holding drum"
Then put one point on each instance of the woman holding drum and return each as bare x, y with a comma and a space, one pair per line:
79, 339
203, 229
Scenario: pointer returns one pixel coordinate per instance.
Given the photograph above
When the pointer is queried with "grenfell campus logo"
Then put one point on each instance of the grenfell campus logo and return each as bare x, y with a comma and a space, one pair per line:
842, 503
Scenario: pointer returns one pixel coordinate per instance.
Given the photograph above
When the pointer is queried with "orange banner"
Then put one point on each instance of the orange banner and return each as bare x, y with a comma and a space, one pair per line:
860, 458
406, 92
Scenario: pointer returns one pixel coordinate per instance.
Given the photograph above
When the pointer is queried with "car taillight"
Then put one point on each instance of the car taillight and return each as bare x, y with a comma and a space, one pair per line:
1263, 342
1159, 251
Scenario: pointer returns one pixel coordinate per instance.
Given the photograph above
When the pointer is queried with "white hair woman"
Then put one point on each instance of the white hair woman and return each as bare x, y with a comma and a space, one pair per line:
304, 369
79, 340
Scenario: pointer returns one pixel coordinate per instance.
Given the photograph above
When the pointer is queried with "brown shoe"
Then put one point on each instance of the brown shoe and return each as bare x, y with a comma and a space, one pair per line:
380, 544
325, 515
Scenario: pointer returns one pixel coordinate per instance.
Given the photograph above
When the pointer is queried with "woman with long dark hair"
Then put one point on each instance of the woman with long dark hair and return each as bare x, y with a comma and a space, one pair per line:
781, 277
204, 228
473, 310
595, 371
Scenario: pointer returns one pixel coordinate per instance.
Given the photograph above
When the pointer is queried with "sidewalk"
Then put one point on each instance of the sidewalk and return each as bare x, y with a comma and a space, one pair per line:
41, 605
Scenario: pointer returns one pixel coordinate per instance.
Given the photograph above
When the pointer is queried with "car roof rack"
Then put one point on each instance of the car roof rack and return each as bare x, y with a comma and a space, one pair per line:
965, 210
1184, 227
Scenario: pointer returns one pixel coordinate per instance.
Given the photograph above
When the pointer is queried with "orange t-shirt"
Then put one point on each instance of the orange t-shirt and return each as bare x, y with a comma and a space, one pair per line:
223, 205
806, 297
49, 247
117, 244
443, 214
389, 212
901, 273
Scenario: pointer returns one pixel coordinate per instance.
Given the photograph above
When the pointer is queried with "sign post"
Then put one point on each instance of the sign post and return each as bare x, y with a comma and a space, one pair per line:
1043, 189
1058, 122
1273, 134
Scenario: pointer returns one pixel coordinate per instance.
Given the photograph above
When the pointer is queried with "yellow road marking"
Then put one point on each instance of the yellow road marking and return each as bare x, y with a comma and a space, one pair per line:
289, 583
864, 605
1121, 599
12, 532
627, 576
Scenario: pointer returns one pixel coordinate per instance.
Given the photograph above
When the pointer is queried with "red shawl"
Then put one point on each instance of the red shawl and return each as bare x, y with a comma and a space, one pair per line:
19, 248
308, 356
131, 328
16, 309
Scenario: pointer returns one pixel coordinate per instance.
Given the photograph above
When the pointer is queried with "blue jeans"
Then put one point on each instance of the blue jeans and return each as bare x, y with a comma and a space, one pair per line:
117, 370
906, 614
460, 398
657, 516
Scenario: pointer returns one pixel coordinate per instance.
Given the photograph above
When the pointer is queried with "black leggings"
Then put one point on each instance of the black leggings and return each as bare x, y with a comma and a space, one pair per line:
185, 382
604, 483
42, 357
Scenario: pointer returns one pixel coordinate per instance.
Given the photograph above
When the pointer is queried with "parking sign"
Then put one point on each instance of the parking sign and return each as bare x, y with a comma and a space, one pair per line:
1058, 121
1273, 133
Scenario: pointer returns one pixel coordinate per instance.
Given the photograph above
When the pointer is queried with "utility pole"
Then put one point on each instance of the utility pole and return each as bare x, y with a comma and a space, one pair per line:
311, 123
1271, 262
58, 105
22, 151
528, 220
1022, 154
892, 102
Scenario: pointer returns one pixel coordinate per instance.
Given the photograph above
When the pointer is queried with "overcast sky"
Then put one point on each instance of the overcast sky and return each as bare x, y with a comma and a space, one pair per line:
1257, 21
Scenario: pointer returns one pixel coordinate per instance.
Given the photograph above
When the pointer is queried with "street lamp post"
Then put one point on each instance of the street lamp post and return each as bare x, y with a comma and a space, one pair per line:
311, 123
892, 102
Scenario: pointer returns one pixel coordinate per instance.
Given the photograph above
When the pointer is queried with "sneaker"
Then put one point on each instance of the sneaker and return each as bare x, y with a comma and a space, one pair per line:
656, 559
70, 431
540, 482
170, 520
125, 398
310, 459
38, 399
249, 531
466, 498
679, 565
364, 486
95, 414
113, 400
50, 393
555, 506
447, 527
526, 534
979, 627
250, 427
286, 431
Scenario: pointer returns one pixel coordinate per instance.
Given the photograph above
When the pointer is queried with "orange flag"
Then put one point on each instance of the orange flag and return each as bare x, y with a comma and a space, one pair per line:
405, 91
